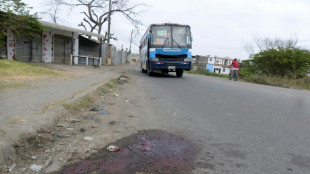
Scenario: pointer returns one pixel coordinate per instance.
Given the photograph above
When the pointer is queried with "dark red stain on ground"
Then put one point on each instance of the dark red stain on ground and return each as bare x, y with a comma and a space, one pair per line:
151, 151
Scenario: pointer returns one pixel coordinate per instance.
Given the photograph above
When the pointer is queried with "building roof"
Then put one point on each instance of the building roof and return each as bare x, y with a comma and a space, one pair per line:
70, 29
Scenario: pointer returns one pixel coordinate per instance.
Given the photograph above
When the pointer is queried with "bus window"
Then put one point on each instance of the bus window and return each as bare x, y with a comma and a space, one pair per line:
181, 35
161, 35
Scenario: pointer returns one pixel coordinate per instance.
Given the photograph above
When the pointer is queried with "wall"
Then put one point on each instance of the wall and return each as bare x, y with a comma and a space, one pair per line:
201, 60
47, 49
104, 52
3, 53
11, 45
88, 47
75, 47
37, 50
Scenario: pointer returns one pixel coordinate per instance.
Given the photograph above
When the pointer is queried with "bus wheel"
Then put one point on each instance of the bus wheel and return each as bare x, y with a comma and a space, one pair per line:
179, 72
148, 71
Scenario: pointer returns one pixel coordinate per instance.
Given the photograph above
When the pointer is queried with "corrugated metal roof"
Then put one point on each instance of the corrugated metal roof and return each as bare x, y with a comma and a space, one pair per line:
70, 29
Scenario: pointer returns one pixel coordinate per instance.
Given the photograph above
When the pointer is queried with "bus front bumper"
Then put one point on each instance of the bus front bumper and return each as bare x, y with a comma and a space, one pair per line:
170, 65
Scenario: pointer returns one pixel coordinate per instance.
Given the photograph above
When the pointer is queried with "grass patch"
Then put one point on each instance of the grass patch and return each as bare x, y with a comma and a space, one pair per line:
106, 88
82, 103
103, 90
15, 70
110, 85
302, 83
86, 102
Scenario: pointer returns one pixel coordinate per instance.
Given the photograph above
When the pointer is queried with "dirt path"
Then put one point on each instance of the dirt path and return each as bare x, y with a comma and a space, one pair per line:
74, 137
24, 111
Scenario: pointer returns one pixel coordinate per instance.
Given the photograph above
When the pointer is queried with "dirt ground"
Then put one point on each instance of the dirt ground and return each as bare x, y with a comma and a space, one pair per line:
123, 112
62, 140
66, 141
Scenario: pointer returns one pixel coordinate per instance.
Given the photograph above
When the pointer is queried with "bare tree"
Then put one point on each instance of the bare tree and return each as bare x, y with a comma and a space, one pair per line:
53, 8
96, 13
263, 44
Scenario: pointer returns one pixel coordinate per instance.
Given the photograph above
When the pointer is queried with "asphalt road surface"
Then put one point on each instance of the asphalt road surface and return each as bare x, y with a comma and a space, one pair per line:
239, 127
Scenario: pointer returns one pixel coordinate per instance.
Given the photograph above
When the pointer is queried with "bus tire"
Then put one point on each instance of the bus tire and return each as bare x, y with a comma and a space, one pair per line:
179, 72
148, 71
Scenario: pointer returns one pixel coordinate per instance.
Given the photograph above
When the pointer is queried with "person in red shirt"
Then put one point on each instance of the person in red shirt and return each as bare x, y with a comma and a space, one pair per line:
234, 66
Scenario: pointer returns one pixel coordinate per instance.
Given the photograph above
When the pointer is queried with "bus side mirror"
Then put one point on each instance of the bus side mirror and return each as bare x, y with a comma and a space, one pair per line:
191, 38
149, 36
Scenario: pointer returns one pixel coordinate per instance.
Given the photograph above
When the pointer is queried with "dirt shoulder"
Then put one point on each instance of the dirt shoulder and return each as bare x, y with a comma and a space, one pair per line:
119, 115
25, 111
74, 137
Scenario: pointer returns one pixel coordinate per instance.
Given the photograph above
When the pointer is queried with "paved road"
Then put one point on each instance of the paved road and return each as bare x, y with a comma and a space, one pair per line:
239, 127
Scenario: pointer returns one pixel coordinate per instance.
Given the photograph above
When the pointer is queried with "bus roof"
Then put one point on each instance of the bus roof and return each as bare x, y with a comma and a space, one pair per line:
161, 24
169, 24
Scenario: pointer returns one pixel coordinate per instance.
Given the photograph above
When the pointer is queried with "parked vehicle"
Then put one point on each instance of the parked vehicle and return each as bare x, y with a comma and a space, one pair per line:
166, 48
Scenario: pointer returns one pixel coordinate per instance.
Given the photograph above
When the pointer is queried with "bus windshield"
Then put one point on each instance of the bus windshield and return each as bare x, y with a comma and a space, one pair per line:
171, 36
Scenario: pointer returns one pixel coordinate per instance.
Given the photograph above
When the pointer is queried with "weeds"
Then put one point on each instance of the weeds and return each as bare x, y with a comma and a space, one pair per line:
302, 83
14, 70
88, 101
103, 90
109, 86
82, 103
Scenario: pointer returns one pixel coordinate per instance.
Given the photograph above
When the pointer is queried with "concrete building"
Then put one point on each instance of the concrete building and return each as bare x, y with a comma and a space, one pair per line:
214, 64
56, 45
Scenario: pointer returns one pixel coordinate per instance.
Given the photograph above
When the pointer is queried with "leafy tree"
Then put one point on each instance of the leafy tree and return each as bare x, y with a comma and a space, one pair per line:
291, 62
14, 14
278, 57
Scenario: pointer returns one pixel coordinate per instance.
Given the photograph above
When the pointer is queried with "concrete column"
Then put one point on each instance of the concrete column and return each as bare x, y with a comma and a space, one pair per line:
47, 41
75, 47
11, 45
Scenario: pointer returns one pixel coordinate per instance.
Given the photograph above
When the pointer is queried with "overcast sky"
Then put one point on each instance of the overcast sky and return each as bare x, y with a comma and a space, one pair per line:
219, 27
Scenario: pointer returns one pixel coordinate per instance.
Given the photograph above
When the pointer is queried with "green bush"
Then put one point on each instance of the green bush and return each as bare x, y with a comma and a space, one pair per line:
284, 62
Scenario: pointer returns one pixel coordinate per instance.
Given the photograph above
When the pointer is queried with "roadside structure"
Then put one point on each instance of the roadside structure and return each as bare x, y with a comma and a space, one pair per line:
214, 64
62, 44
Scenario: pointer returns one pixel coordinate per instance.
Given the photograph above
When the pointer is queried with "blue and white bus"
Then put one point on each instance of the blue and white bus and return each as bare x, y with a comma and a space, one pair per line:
166, 48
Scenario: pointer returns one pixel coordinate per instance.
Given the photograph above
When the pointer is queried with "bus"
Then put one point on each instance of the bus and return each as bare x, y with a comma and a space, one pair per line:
166, 48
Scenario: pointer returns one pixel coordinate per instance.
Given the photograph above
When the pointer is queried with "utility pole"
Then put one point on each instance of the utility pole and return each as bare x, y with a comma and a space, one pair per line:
109, 23
130, 41
129, 55
109, 61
